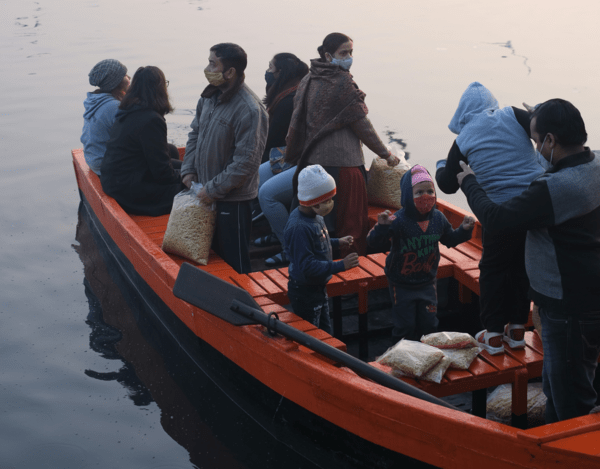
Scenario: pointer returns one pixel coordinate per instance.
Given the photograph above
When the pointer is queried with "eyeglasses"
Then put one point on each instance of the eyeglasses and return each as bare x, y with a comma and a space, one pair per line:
167, 83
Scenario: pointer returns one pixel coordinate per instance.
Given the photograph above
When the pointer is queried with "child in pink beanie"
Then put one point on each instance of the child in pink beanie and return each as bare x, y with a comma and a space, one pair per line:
411, 266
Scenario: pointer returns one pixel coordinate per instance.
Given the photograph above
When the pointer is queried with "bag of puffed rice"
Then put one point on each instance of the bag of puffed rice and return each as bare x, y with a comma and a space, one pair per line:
191, 226
434, 375
461, 359
383, 185
449, 340
411, 358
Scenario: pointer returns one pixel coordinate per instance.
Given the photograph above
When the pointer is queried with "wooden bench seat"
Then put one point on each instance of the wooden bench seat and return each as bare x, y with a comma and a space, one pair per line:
515, 367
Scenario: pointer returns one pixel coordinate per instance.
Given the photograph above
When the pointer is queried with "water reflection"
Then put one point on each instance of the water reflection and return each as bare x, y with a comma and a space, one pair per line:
104, 340
194, 411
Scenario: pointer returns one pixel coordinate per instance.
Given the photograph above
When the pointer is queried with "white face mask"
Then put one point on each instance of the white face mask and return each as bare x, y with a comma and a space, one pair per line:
325, 208
343, 63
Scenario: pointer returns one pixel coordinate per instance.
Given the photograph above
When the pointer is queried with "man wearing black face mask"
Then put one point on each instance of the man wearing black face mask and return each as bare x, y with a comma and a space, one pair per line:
561, 211
224, 149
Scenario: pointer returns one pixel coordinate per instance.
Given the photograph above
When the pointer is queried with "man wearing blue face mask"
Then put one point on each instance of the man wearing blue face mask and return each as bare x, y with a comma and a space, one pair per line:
561, 211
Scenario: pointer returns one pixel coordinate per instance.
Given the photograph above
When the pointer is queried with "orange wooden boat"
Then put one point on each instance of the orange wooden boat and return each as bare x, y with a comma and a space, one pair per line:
321, 409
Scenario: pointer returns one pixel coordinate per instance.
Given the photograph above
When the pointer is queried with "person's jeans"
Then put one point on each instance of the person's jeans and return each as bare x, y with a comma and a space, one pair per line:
311, 303
275, 195
571, 350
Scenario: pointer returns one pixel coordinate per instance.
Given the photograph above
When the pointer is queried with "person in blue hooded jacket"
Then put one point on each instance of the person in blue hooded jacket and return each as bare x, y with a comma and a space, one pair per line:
411, 265
496, 143
101, 106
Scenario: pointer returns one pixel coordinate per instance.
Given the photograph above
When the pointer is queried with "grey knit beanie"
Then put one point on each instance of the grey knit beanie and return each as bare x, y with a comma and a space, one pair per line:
107, 74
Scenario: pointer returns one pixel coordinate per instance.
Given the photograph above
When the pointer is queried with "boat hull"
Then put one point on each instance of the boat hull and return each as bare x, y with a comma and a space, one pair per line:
348, 420
295, 427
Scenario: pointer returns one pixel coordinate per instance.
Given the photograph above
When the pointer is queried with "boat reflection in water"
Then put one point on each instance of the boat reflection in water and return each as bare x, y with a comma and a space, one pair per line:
215, 422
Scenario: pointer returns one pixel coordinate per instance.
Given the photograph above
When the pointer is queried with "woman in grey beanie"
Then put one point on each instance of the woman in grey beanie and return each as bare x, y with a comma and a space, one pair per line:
101, 105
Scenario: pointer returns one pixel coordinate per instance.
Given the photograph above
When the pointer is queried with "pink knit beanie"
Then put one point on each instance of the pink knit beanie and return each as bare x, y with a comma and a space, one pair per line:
419, 174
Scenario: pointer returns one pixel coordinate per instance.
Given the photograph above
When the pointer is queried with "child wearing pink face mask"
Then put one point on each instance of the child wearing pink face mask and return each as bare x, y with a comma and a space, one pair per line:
411, 265
309, 248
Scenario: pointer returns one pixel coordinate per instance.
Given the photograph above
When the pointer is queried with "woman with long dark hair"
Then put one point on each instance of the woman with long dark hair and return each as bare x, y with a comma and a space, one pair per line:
327, 127
101, 105
137, 169
275, 188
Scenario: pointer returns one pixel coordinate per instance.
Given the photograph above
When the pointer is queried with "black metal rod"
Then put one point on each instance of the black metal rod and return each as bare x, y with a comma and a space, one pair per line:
356, 365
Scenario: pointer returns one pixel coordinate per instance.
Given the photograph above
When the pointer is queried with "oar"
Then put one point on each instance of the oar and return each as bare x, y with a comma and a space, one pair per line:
237, 307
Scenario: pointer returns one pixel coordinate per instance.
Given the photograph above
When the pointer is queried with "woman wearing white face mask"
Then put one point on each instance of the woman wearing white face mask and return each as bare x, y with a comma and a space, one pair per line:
328, 124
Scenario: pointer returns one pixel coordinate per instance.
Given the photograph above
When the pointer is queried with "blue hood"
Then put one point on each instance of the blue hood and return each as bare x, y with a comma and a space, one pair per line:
407, 200
495, 145
94, 102
475, 100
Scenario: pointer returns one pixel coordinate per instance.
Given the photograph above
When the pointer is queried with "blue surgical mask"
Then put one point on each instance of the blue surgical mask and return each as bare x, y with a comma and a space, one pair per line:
343, 63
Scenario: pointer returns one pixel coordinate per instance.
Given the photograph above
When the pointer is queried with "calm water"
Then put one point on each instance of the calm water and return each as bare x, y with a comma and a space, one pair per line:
69, 396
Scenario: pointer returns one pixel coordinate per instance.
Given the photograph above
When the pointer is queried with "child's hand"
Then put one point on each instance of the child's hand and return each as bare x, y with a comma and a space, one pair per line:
350, 261
385, 218
468, 223
346, 241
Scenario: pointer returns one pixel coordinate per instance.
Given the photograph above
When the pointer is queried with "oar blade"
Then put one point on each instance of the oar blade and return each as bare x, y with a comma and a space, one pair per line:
212, 294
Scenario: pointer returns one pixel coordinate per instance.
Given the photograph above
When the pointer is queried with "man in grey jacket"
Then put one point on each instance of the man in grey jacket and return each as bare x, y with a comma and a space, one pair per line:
224, 151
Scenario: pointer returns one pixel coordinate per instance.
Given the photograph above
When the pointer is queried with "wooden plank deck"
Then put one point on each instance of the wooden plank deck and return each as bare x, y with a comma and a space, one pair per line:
269, 289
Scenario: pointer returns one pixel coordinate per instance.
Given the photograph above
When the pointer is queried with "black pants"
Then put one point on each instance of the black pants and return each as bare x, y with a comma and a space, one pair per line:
503, 282
232, 234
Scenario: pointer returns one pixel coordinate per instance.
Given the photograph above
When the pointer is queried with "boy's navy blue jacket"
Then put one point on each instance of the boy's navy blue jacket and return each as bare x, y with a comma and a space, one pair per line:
414, 255
308, 246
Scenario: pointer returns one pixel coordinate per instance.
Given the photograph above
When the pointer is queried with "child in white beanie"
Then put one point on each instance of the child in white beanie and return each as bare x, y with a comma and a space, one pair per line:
309, 248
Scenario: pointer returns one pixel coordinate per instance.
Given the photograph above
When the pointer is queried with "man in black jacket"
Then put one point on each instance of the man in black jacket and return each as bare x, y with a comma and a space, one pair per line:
561, 211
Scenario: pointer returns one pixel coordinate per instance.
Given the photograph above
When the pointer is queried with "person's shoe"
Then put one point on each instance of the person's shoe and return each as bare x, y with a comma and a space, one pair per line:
490, 341
277, 260
257, 214
514, 335
264, 241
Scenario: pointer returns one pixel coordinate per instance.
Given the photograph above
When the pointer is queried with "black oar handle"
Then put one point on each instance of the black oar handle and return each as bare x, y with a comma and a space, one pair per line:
356, 365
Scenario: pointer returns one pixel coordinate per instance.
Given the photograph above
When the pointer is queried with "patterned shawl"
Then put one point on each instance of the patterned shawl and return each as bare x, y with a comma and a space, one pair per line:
329, 99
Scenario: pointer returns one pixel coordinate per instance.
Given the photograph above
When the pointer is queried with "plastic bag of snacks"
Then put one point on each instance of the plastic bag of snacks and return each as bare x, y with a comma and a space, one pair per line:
411, 358
191, 226
499, 404
434, 375
450, 340
461, 348
461, 359
383, 186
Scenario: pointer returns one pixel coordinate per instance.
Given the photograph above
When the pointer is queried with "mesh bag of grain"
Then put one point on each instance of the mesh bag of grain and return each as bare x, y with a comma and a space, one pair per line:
449, 340
499, 404
411, 358
383, 186
191, 226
